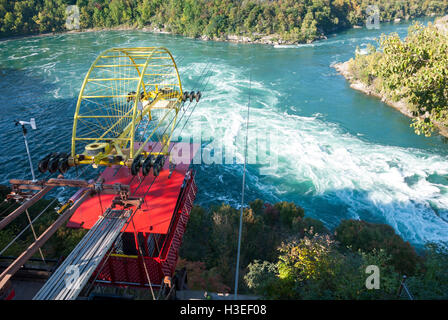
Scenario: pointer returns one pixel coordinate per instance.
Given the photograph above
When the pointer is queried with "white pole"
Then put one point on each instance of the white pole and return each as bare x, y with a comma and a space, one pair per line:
29, 156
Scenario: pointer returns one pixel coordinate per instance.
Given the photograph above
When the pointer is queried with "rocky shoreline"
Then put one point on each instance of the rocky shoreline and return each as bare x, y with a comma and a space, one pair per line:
272, 39
401, 105
256, 38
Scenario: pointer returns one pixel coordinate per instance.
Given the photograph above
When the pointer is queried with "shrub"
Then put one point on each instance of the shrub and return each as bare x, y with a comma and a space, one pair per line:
365, 236
431, 280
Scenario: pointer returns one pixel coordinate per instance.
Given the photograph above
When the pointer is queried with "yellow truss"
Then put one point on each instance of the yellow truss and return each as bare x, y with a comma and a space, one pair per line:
122, 87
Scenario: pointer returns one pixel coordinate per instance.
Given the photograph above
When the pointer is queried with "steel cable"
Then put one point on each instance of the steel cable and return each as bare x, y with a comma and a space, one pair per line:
135, 210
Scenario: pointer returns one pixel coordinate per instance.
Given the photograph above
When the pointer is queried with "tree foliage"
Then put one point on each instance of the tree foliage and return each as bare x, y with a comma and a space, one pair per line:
59, 245
296, 21
199, 278
315, 267
212, 235
414, 69
431, 281
365, 236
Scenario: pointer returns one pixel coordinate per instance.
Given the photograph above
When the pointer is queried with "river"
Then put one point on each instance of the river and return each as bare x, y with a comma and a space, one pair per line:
338, 153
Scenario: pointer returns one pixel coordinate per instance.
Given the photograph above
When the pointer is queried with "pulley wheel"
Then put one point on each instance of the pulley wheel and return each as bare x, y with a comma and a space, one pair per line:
161, 161
43, 164
185, 96
53, 163
191, 96
63, 165
198, 95
136, 165
147, 164
156, 170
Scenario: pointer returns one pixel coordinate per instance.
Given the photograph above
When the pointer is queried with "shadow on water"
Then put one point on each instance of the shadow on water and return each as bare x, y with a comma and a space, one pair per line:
21, 91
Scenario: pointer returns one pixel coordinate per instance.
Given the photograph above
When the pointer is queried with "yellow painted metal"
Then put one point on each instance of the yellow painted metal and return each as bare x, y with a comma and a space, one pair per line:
117, 96
65, 206
123, 256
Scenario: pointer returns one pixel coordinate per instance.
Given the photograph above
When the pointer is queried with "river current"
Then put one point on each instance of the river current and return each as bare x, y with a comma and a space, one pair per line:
336, 152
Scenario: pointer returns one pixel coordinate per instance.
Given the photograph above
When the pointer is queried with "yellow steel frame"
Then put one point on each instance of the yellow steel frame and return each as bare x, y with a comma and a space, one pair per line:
107, 85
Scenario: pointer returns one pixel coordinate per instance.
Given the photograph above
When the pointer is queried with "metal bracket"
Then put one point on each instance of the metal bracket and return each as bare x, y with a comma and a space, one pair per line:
172, 166
98, 186
125, 201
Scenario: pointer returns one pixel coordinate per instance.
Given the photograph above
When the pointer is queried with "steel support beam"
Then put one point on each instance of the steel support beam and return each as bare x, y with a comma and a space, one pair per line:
35, 246
29, 184
24, 206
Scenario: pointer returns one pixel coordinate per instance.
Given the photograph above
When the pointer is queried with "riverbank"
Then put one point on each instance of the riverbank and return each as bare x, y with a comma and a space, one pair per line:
256, 38
402, 106
273, 39
364, 74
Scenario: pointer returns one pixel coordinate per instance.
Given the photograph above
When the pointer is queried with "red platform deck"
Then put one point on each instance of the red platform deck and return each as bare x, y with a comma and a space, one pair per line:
159, 224
156, 214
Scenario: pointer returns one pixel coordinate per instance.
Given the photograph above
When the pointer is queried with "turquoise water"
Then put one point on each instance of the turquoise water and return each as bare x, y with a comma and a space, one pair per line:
340, 154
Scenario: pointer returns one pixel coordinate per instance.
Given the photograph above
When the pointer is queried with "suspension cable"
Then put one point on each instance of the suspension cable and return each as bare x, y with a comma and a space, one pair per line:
242, 194
135, 210
143, 261
34, 234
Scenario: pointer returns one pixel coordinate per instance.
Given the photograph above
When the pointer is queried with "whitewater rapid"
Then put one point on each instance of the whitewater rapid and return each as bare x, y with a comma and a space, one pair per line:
322, 161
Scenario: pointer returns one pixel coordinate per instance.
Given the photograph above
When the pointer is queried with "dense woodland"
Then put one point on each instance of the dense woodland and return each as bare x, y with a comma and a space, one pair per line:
284, 254
289, 20
414, 70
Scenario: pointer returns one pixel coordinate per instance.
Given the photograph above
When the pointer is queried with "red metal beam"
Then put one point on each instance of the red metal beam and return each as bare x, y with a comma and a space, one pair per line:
46, 186
32, 249
33, 185
24, 206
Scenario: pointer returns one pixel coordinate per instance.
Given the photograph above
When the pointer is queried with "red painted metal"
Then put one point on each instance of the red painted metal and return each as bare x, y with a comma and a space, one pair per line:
156, 213
165, 213
123, 270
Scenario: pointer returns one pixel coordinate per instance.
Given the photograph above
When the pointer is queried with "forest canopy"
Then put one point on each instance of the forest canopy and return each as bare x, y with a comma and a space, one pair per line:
290, 20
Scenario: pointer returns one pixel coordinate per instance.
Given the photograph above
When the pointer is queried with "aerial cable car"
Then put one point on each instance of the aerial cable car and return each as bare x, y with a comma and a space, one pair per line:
128, 107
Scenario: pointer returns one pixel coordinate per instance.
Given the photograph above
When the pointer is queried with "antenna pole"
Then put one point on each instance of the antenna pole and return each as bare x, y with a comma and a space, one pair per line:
28, 151
242, 195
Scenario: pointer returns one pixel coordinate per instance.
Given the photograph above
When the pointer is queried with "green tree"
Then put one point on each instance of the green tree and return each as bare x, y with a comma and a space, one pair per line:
296, 21
365, 236
414, 70
315, 268
431, 280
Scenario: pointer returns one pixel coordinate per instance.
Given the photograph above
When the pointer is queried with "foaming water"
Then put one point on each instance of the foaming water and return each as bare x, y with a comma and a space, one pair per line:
337, 153
321, 163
